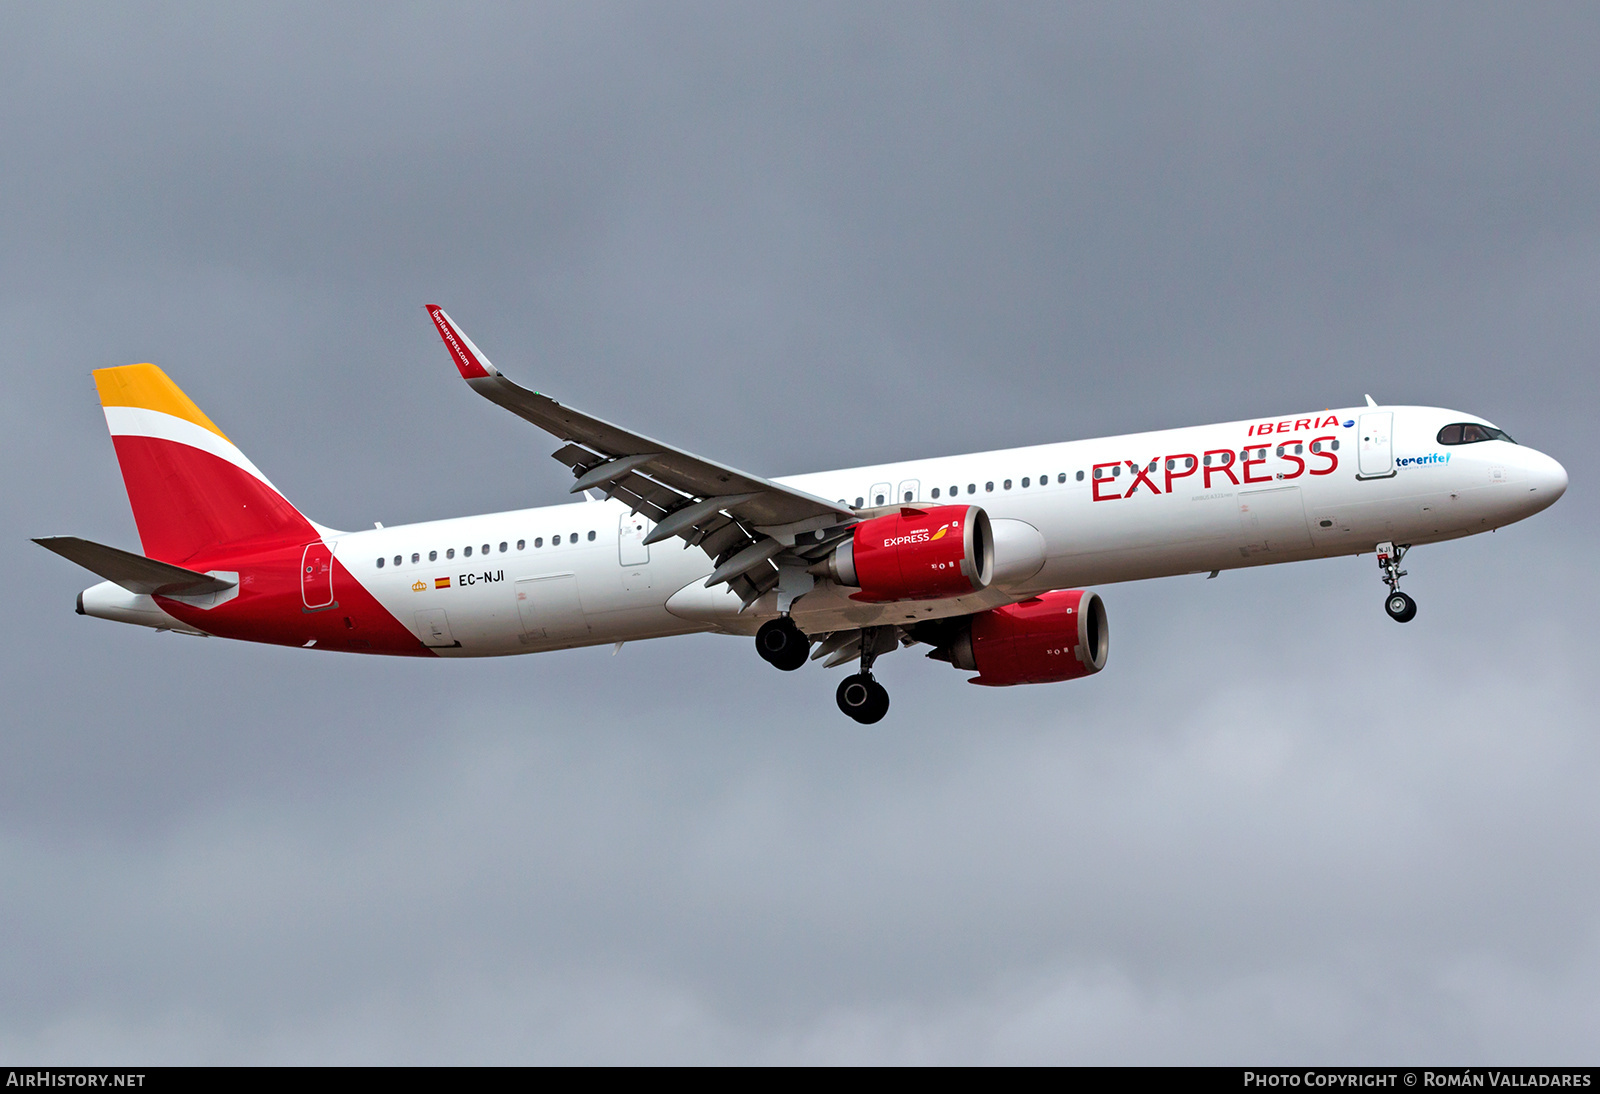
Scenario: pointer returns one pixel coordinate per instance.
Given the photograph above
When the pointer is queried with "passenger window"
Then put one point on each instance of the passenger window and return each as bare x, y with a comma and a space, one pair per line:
1064, 476
466, 552
502, 546
416, 557
538, 541
572, 537
1116, 472
450, 552
485, 548
907, 497
555, 541
1007, 484
988, 487
935, 493
433, 556
397, 560
521, 543
878, 499
860, 502
380, 566
972, 488
591, 537
1336, 445
1024, 482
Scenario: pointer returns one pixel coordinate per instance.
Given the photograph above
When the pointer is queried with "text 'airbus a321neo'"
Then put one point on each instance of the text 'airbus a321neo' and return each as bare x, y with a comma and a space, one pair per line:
983, 557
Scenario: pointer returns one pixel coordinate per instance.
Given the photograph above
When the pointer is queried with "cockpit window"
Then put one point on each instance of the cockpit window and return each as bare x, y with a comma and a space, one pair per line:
1471, 432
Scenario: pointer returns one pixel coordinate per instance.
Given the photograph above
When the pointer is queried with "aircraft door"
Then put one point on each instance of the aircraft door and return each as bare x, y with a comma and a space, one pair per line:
631, 548
1273, 520
633, 553
433, 627
550, 607
1376, 459
316, 577
880, 494
910, 490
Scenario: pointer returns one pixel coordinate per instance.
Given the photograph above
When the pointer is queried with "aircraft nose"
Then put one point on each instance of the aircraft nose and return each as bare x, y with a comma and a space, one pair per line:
1547, 479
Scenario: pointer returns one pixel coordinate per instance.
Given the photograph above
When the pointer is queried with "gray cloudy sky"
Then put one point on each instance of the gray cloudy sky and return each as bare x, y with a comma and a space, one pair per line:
1277, 829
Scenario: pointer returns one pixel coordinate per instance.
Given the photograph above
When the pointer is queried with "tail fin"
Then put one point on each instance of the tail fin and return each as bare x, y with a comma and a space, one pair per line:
190, 487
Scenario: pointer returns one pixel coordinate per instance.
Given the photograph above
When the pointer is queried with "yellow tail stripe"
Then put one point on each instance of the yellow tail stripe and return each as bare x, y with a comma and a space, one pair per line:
147, 387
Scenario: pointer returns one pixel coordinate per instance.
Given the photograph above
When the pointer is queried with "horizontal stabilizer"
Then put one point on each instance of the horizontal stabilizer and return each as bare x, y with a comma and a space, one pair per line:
133, 572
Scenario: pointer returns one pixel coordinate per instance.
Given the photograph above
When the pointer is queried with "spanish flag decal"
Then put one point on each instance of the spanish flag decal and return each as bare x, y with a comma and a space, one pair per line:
441, 583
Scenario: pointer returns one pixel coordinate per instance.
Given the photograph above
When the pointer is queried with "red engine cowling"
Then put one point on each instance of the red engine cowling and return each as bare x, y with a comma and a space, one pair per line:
917, 554
1061, 635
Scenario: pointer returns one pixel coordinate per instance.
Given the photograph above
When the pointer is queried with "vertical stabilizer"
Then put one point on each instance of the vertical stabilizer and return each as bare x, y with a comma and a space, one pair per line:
190, 487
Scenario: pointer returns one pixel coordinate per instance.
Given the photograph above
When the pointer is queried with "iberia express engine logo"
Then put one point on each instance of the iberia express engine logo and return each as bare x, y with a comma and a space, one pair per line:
920, 536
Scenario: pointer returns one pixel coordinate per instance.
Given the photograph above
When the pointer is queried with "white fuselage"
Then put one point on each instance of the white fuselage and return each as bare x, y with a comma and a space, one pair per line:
578, 574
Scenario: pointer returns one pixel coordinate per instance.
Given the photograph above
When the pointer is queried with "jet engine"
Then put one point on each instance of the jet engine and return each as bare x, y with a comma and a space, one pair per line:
916, 554
1060, 635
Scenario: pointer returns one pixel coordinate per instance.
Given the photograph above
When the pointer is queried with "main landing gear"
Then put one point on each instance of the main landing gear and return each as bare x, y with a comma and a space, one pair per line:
782, 644
859, 695
1401, 608
863, 698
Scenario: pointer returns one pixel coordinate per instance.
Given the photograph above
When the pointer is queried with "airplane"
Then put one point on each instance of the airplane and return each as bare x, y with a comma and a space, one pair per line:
984, 558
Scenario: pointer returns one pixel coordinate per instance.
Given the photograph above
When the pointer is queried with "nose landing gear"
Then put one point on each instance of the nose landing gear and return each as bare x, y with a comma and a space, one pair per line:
782, 644
1401, 608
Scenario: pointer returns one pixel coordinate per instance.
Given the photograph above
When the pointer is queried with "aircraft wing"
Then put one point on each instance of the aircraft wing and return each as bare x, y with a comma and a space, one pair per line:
748, 524
136, 573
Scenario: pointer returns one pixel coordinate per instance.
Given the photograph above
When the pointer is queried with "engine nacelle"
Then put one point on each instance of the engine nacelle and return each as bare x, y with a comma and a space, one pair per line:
1060, 635
917, 554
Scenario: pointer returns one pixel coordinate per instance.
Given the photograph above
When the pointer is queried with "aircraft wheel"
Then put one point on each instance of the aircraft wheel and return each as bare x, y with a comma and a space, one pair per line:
878, 707
855, 694
1401, 608
782, 644
863, 698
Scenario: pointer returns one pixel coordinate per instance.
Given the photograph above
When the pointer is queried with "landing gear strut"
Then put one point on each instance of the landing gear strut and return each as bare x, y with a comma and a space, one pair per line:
1401, 608
782, 644
859, 695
